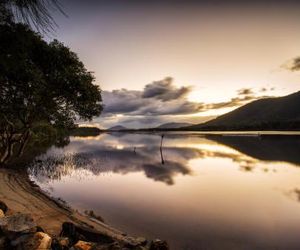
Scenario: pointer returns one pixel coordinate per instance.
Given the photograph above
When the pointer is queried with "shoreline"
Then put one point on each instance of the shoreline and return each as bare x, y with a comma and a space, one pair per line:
211, 132
23, 196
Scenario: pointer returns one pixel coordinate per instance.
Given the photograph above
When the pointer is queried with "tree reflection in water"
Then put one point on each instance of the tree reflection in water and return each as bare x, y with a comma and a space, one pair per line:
113, 153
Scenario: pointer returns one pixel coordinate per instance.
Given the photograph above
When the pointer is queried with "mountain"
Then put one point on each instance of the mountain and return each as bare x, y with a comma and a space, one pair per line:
278, 113
117, 128
174, 125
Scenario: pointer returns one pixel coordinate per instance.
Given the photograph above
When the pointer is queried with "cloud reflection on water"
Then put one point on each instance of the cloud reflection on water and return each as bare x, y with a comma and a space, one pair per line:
128, 153
191, 199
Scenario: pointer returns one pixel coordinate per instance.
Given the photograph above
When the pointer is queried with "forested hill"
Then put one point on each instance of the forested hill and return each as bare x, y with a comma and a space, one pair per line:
174, 125
280, 113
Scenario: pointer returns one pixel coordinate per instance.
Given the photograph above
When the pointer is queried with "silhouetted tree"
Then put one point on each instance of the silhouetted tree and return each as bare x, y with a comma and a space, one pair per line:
40, 82
32, 12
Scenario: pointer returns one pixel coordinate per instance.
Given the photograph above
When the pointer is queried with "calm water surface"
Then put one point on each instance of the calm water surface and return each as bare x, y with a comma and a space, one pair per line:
198, 192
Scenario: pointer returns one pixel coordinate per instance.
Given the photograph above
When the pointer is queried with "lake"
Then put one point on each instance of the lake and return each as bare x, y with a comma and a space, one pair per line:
196, 191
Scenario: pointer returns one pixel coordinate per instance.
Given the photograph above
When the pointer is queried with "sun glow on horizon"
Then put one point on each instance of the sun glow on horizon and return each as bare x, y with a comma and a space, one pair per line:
213, 50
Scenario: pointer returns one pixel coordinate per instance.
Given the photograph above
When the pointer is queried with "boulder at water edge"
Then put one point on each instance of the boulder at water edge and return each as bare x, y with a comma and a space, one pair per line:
17, 224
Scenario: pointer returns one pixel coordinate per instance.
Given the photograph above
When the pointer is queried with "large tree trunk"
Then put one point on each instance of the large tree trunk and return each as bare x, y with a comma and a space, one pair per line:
24, 142
8, 152
11, 137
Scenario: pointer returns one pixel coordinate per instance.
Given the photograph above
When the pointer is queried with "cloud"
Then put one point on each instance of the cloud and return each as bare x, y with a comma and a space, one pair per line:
148, 121
162, 166
158, 98
165, 90
245, 91
89, 155
263, 89
160, 101
122, 101
292, 65
244, 96
295, 64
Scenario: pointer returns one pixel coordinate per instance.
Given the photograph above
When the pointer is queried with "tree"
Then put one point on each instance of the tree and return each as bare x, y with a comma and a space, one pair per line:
31, 12
40, 82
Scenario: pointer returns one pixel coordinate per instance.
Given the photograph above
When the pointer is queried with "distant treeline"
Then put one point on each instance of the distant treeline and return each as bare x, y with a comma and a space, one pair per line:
85, 131
262, 126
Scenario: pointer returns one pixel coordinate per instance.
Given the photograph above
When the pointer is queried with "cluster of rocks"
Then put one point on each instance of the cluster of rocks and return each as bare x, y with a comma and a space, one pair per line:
19, 231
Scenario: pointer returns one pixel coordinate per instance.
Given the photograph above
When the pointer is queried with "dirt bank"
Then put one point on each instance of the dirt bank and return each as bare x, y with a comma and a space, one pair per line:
21, 195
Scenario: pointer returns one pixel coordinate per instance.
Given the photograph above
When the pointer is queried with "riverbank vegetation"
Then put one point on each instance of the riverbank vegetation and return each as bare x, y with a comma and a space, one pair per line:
43, 85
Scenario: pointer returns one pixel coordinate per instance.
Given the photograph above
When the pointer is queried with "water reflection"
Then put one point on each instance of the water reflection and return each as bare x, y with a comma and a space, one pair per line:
216, 192
266, 148
117, 161
121, 153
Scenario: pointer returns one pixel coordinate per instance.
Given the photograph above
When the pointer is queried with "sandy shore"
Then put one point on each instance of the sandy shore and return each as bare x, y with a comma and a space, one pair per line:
20, 195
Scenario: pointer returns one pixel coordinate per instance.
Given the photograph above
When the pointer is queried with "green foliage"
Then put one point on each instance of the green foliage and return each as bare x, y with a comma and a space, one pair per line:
41, 82
43, 131
43, 137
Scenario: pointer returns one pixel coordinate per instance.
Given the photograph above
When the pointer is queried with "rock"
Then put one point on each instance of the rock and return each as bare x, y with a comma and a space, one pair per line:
114, 246
3, 207
111, 246
55, 245
69, 230
78, 233
159, 245
139, 248
3, 243
1, 214
134, 242
141, 240
39, 241
83, 245
17, 223
60, 243
39, 229
64, 241
18, 241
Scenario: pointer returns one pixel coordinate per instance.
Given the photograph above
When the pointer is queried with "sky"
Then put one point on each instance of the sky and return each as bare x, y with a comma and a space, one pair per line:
182, 61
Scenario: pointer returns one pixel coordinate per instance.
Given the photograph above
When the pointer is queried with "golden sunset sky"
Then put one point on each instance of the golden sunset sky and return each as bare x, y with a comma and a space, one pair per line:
212, 48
